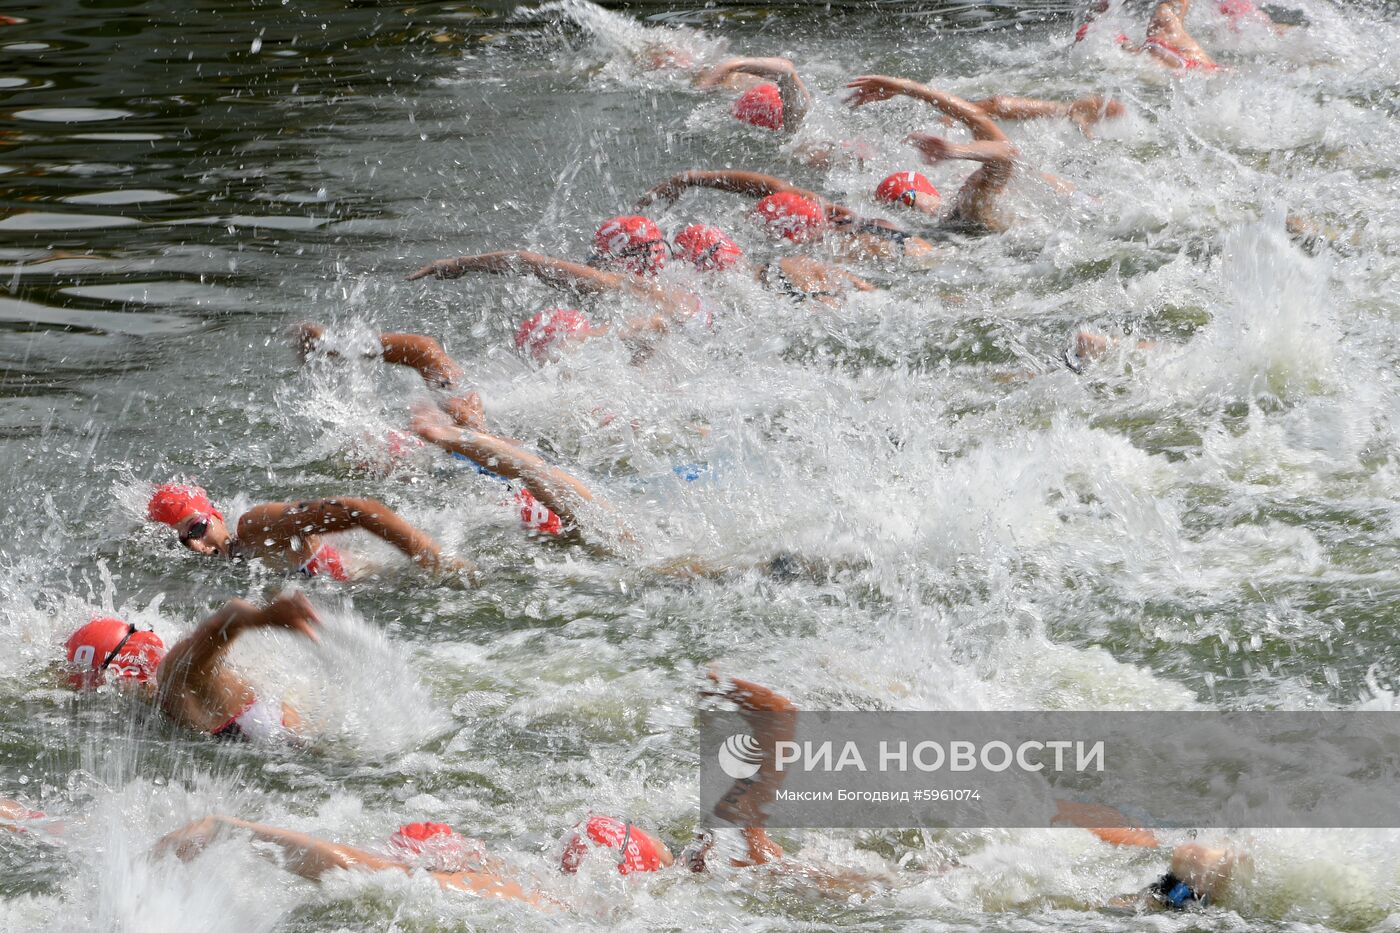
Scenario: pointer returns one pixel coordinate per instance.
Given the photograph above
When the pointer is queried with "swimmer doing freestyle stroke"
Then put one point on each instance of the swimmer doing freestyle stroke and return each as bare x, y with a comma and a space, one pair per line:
191, 682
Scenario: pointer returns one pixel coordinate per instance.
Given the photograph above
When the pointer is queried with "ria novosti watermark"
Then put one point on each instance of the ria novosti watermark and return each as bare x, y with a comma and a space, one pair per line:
1015, 769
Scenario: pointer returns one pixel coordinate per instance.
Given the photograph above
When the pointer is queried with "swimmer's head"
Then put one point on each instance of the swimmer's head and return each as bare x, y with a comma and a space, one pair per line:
708, 248
910, 189
188, 510
637, 850
110, 646
543, 335
791, 215
761, 106
438, 847
630, 244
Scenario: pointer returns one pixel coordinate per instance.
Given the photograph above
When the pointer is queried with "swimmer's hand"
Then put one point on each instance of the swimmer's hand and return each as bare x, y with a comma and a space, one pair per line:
190, 840
932, 147
438, 269
306, 337
466, 411
455, 572
293, 613
869, 89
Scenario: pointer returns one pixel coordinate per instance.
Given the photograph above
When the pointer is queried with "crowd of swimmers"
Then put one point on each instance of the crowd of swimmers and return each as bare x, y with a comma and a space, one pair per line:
191, 681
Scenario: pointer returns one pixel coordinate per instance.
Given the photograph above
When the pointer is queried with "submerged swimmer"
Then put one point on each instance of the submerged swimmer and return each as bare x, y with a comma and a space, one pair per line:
548, 332
287, 535
707, 249
191, 682
799, 215
456, 862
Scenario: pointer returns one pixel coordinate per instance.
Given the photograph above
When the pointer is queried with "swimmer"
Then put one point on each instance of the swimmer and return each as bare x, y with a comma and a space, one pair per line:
706, 248
287, 535
799, 215
780, 102
191, 682
455, 862
546, 333
1169, 44
418, 352
800, 278
975, 206
565, 497
1197, 877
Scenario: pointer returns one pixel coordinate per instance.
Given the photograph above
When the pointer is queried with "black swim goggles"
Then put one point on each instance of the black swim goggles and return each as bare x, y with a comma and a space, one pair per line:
112, 655
196, 531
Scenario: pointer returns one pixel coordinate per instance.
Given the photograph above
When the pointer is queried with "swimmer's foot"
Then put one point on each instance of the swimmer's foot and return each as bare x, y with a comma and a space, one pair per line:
1074, 364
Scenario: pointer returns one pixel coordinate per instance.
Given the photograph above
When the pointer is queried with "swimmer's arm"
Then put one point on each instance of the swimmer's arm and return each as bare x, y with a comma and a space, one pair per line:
1107, 823
423, 354
772, 718
560, 492
869, 88
559, 273
283, 523
937, 149
753, 184
190, 669
305, 855
1002, 107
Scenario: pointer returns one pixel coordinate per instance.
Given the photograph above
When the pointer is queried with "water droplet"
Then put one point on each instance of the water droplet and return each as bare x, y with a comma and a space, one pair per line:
256, 46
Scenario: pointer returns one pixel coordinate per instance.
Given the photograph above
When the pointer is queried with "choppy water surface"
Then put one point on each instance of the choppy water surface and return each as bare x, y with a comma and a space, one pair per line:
1211, 523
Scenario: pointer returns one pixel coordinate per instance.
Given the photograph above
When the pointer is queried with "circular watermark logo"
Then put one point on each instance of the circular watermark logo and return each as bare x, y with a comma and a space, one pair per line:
740, 756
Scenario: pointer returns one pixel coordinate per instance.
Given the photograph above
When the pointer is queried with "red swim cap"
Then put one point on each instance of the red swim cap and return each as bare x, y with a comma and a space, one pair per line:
707, 247
640, 853
541, 334
631, 242
411, 836
760, 106
90, 653
536, 515
790, 214
441, 845
901, 187
174, 502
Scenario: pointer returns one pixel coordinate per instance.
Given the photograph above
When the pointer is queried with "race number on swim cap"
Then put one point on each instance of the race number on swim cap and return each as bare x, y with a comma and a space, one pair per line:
542, 334
632, 243
791, 215
639, 852
760, 106
901, 187
109, 644
174, 502
708, 248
